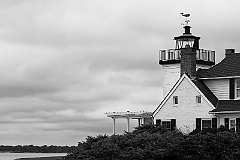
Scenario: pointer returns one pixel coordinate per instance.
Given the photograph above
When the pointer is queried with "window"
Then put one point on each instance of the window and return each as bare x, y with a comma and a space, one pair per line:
175, 100
232, 124
206, 123
198, 99
238, 88
167, 124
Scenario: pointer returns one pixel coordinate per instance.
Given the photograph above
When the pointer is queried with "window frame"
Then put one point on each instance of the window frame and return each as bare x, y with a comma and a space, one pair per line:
230, 127
198, 97
206, 119
166, 121
237, 88
175, 99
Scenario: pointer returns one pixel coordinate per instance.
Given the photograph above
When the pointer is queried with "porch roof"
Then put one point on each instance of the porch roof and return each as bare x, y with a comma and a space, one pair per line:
227, 106
128, 114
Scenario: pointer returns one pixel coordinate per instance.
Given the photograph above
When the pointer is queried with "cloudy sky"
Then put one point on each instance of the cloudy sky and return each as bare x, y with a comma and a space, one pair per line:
64, 63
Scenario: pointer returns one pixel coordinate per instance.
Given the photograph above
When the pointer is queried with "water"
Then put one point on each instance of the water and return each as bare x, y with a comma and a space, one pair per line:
12, 156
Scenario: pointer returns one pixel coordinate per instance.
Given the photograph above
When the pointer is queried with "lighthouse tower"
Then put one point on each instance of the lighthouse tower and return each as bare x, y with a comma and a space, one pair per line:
186, 58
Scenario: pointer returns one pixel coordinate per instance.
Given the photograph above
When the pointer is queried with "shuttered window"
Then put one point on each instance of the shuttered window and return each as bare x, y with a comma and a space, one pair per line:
170, 124
205, 123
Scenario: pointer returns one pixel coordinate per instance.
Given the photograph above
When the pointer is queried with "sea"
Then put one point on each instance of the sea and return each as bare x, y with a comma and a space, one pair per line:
12, 156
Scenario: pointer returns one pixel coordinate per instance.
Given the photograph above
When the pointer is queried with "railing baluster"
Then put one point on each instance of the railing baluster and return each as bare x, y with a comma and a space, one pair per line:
174, 54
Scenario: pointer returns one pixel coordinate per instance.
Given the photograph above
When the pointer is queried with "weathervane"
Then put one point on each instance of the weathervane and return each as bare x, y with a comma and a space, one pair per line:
187, 20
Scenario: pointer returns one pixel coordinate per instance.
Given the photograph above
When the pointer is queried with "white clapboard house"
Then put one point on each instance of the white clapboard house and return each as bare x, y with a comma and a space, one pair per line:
198, 93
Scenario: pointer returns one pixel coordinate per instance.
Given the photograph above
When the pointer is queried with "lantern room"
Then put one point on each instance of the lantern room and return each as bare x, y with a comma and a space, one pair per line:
187, 40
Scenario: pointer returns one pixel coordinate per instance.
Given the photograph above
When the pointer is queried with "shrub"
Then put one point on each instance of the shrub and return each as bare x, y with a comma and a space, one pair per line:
150, 142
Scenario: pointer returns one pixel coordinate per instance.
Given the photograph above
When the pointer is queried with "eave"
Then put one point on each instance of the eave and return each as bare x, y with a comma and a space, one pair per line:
223, 112
219, 77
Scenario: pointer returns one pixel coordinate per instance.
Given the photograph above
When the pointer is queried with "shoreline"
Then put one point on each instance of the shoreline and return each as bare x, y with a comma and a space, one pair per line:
42, 158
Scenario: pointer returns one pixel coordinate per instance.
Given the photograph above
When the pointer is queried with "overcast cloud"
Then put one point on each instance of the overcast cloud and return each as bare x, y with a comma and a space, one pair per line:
64, 63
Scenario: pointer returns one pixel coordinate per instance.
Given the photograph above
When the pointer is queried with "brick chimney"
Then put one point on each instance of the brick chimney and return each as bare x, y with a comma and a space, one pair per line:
188, 62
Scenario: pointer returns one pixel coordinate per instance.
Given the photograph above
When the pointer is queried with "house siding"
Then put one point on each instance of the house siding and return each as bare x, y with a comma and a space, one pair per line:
219, 87
187, 110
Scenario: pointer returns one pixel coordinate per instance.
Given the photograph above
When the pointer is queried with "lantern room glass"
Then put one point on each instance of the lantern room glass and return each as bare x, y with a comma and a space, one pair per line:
185, 43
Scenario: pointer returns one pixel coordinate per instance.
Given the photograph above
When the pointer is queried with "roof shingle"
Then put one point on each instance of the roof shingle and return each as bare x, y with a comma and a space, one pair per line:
228, 67
227, 105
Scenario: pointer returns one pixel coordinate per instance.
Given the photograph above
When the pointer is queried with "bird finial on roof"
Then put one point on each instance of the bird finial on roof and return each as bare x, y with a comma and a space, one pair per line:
187, 20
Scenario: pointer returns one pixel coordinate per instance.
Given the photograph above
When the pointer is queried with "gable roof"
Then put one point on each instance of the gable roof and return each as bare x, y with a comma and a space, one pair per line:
228, 67
168, 95
198, 85
225, 106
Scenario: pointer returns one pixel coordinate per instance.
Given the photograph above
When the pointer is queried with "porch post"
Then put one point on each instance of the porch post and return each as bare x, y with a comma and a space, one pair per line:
128, 124
114, 126
139, 121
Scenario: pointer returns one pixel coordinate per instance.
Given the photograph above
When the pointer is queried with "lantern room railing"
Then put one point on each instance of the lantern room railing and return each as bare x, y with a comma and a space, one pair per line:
172, 55
169, 54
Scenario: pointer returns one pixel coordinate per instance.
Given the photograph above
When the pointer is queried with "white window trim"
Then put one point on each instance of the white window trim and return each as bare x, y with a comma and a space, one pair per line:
198, 104
230, 123
175, 104
236, 88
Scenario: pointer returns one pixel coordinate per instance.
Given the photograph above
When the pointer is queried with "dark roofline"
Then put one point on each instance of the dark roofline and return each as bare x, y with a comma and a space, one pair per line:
222, 112
206, 91
228, 67
227, 106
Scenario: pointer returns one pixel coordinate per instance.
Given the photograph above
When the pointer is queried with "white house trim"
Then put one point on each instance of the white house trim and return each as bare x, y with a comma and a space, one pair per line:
174, 88
169, 94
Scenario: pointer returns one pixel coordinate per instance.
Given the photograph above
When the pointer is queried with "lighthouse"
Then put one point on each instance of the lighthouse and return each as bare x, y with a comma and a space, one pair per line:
185, 58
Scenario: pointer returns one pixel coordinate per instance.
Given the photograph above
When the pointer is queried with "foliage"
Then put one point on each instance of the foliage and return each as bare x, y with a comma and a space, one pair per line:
150, 142
209, 130
38, 149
